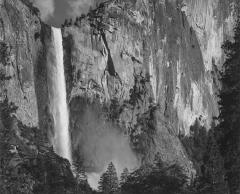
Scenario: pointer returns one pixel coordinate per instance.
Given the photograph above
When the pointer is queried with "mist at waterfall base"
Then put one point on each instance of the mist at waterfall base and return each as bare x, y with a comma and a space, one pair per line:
57, 96
99, 143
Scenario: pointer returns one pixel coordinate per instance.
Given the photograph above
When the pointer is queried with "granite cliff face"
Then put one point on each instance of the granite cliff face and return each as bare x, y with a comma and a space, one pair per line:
140, 72
152, 66
19, 45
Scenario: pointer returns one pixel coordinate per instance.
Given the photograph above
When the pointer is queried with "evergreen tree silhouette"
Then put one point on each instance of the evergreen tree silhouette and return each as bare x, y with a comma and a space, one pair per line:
108, 183
211, 179
80, 173
103, 183
124, 176
230, 111
156, 179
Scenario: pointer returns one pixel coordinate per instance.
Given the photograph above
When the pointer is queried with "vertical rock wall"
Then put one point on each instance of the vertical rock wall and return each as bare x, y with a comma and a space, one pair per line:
152, 63
19, 42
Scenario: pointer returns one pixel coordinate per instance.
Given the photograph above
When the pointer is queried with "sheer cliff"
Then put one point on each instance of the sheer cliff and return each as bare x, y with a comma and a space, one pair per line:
152, 65
18, 26
139, 73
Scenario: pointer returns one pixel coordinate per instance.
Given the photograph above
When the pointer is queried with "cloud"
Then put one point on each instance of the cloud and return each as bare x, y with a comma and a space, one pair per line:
46, 7
79, 7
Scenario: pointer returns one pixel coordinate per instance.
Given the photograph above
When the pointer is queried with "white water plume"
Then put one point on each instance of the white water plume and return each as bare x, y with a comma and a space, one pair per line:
58, 98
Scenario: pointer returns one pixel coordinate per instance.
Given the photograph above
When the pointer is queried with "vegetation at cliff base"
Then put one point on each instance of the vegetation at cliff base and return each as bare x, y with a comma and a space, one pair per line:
157, 178
229, 132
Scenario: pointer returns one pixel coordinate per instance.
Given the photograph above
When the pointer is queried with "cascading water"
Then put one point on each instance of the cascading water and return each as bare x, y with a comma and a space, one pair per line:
58, 101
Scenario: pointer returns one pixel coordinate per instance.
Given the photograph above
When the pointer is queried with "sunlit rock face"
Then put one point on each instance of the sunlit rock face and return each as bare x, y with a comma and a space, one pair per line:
19, 43
213, 22
142, 61
152, 65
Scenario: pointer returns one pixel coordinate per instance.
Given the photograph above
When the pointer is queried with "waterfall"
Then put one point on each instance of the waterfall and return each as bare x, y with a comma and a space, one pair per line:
58, 98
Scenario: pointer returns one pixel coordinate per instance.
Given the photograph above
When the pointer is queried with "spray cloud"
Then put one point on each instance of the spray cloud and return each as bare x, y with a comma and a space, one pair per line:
99, 142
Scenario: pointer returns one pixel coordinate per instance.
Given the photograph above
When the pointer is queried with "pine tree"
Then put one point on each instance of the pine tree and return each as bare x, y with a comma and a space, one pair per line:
229, 111
103, 183
214, 166
124, 176
80, 173
156, 179
82, 177
211, 179
108, 183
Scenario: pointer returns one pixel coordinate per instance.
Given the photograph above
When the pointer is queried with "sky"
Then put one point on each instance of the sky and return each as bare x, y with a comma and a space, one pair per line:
54, 12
